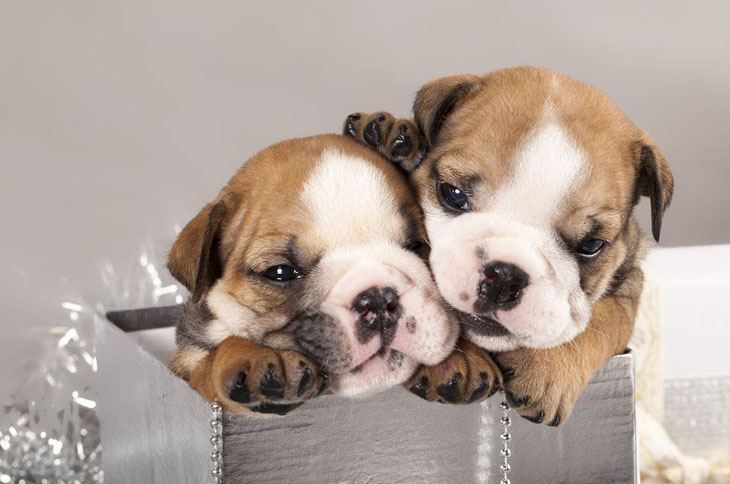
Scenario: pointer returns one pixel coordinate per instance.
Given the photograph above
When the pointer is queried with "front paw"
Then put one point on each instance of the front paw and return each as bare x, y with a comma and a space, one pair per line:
467, 375
542, 385
398, 140
249, 376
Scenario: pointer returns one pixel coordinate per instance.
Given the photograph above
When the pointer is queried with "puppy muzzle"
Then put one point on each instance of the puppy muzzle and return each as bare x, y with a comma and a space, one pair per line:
512, 284
374, 327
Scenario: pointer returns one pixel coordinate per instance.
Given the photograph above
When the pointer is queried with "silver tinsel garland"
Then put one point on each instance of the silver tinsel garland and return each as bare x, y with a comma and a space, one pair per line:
49, 431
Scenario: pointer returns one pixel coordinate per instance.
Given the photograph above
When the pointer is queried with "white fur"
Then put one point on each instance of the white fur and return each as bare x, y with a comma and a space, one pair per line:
516, 226
346, 272
546, 170
356, 217
349, 203
372, 378
189, 358
358, 220
233, 318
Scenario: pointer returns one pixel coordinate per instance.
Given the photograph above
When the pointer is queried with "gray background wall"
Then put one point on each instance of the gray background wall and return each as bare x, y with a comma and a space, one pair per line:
118, 120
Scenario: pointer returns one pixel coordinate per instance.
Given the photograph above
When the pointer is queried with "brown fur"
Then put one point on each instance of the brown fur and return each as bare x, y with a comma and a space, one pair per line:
217, 247
547, 383
214, 376
272, 221
468, 375
472, 126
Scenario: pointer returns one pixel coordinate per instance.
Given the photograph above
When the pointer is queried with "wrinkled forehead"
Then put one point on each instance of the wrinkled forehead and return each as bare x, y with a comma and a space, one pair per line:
312, 195
348, 200
540, 147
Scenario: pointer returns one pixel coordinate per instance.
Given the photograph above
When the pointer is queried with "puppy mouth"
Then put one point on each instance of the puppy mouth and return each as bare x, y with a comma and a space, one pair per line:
482, 325
390, 356
321, 337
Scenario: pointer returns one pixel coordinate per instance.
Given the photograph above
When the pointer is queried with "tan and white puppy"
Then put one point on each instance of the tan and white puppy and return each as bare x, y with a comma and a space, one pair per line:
310, 248
528, 180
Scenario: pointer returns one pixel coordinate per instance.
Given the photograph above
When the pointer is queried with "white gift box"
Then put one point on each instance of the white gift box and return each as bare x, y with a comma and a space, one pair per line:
155, 428
694, 283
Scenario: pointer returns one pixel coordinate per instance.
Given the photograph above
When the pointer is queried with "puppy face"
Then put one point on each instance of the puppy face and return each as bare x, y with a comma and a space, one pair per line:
528, 193
309, 248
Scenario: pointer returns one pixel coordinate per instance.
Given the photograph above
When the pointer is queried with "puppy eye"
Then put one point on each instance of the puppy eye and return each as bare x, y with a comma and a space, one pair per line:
591, 247
453, 197
282, 273
414, 245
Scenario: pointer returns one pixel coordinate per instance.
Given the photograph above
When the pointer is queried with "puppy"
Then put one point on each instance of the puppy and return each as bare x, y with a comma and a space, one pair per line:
305, 266
528, 180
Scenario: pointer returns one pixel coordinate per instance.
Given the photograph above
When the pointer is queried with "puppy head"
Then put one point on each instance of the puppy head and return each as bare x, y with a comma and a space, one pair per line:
528, 192
310, 246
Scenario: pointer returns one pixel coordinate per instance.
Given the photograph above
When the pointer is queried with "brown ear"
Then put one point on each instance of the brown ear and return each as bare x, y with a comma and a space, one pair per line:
195, 259
655, 180
437, 100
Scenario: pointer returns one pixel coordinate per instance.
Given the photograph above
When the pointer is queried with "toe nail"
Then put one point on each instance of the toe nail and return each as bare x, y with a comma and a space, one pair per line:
240, 392
350, 129
419, 391
372, 134
536, 418
481, 390
496, 386
401, 146
419, 388
350, 125
306, 381
325, 379
478, 393
270, 386
516, 401
555, 422
449, 391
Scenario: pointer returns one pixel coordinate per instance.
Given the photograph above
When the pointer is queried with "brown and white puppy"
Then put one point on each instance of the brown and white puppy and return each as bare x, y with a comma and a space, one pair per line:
528, 180
307, 249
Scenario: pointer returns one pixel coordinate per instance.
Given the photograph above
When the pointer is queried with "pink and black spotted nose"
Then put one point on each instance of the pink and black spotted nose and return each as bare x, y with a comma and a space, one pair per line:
378, 312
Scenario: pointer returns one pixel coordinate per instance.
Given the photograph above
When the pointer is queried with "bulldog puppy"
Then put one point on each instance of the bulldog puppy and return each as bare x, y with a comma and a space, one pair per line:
528, 180
305, 267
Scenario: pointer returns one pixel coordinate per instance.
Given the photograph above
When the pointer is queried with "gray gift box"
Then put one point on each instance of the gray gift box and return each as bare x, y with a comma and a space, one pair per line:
155, 428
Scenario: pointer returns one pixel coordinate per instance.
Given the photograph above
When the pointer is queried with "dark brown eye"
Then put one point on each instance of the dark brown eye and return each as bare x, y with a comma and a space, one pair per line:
453, 197
282, 273
414, 245
590, 248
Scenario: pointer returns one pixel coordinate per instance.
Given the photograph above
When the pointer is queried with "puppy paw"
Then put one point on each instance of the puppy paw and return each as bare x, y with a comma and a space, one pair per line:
542, 385
398, 140
247, 376
467, 375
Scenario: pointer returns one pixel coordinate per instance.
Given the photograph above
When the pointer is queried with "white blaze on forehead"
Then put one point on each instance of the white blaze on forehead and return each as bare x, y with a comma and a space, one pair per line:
351, 201
547, 168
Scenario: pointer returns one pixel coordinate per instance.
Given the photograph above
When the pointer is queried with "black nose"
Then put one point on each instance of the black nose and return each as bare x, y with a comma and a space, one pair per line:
502, 285
379, 311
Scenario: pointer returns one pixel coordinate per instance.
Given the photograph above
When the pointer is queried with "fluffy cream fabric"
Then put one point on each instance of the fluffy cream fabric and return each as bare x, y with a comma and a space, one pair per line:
660, 459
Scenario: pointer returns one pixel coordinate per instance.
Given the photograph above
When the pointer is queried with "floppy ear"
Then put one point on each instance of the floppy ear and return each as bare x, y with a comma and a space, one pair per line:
195, 259
655, 180
437, 100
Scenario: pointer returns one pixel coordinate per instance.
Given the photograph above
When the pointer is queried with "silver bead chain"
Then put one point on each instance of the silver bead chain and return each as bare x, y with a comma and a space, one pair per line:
216, 441
506, 438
